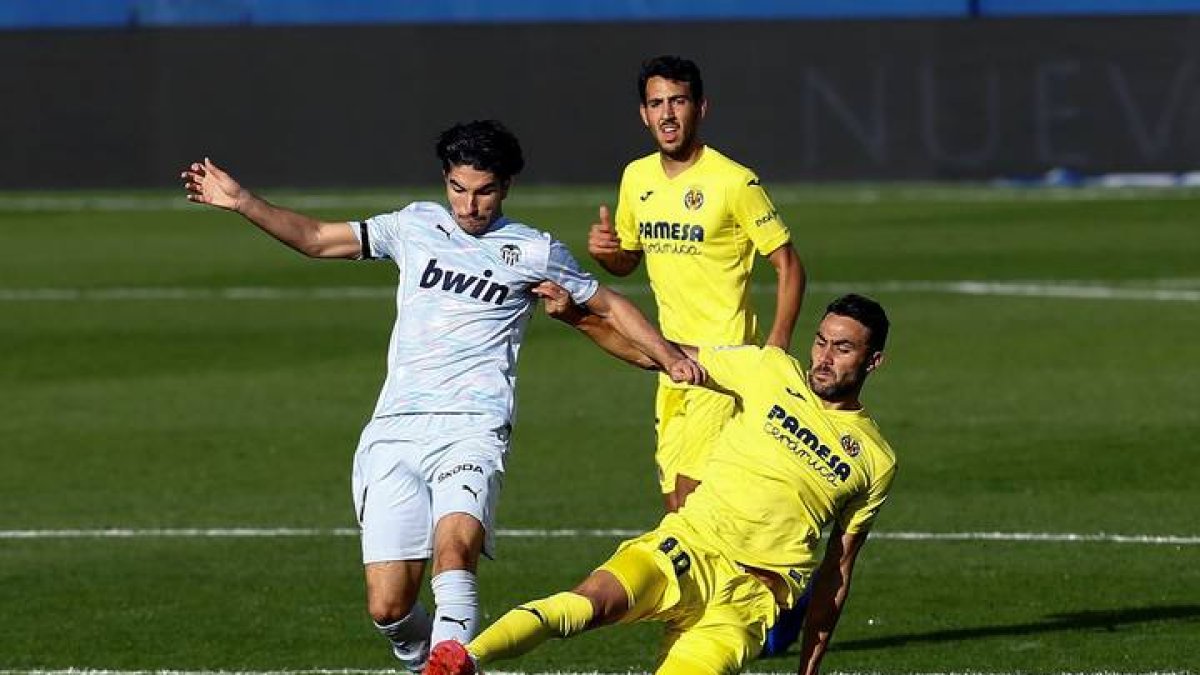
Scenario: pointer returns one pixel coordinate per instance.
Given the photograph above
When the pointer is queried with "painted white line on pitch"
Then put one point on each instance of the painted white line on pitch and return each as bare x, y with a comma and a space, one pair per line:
1164, 290
615, 533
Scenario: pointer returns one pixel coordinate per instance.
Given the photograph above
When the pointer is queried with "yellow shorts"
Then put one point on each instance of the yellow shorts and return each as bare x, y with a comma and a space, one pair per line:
717, 614
687, 421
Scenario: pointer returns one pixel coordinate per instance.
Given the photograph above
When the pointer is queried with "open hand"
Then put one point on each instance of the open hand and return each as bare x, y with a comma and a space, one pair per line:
206, 183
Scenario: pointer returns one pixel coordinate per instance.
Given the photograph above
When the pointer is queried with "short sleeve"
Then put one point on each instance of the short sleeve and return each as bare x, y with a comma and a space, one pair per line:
625, 223
860, 512
564, 270
757, 216
378, 236
732, 368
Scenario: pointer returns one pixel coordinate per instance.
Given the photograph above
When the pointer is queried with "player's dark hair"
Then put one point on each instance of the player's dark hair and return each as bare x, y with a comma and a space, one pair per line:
867, 312
674, 68
486, 145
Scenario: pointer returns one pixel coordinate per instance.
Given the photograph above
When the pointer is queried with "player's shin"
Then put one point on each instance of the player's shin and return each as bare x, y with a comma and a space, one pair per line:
456, 610
530, 624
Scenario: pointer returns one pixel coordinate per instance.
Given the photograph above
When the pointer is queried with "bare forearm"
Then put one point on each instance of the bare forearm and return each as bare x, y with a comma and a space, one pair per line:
607, 338
633, 326
824, 610
789, 294
620, 263
296, 230
787, 310
829, 593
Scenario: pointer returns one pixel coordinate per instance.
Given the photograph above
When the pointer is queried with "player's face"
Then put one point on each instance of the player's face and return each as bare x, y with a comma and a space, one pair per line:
475, 197
841, 359
673, 116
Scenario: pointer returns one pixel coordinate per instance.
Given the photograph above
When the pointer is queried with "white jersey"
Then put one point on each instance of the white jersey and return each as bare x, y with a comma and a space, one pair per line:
462, 305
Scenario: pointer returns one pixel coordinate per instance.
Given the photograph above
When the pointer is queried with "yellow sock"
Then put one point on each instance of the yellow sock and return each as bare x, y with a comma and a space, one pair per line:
531, 624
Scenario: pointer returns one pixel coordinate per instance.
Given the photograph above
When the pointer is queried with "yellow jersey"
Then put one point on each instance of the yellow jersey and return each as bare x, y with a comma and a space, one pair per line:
699, 232
784, 467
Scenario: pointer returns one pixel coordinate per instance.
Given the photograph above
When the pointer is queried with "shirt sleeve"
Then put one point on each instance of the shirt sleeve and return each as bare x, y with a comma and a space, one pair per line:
564, 270
378, 236
732, 368
626, 226
860, 511
756, 215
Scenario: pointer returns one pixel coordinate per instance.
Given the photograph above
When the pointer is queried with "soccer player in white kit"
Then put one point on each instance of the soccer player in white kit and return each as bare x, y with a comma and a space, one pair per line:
430, 462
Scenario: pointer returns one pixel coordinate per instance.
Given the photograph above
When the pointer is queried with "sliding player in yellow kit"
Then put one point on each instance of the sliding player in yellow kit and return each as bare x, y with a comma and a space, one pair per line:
698, 218
800, 455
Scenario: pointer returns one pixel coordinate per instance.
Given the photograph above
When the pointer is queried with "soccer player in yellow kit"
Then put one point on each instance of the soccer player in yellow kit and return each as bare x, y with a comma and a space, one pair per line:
799, 456
698, 218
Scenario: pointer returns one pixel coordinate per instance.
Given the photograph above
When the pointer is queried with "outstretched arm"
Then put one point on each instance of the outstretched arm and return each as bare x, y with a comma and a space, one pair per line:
830, 590
789, 293
206, 183
629, 321
559, 306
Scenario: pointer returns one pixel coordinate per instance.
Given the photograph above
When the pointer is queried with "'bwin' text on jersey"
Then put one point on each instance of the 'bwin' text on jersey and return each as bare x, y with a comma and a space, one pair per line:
461, 283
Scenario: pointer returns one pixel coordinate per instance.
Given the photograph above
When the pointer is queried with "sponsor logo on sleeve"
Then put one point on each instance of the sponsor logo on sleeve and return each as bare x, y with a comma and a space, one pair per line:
763, 220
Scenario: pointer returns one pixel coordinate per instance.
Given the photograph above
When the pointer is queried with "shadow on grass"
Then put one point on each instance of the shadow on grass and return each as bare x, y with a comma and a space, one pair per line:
1108, 620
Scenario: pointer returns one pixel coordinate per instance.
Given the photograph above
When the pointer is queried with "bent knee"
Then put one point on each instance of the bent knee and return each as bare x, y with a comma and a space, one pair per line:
389, 610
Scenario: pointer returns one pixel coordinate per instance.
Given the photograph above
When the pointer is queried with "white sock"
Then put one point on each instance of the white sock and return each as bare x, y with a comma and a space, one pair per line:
410, 638
456, 611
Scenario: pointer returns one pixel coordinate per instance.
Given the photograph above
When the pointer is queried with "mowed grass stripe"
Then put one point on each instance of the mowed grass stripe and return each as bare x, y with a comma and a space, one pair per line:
1167, 290
252, 532
559, 197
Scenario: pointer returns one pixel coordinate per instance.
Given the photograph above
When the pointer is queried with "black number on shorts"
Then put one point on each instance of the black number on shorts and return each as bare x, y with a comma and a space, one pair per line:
679, 559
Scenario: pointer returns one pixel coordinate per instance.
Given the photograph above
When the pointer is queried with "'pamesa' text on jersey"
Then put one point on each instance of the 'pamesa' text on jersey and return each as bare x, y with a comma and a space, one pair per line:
665, 237
804, 443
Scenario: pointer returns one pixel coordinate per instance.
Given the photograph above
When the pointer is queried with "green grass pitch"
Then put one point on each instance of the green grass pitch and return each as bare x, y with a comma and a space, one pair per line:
167, 366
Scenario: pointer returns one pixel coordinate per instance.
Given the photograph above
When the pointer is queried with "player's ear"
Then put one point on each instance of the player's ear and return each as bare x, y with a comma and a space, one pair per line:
703, 107
642, 112
874, 361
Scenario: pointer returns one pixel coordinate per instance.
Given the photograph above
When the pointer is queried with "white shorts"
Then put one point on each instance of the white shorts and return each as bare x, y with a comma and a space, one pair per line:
410, 470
